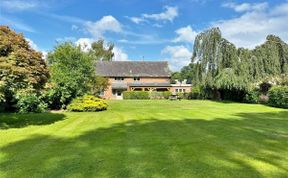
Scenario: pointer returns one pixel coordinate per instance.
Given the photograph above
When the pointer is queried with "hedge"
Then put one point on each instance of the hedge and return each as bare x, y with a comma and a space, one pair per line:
87, 103
278, 96
136, 95
154, 95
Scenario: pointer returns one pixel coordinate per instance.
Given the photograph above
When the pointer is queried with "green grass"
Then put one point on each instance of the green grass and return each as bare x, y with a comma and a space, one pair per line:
148, 139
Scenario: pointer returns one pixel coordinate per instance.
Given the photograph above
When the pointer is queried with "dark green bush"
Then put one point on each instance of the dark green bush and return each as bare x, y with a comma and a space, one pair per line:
278, 96
196, 93
136, 95
87, 103
30, 103
252, 96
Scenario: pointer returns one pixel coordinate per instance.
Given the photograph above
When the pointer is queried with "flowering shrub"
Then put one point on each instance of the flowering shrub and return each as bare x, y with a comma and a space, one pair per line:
87, 103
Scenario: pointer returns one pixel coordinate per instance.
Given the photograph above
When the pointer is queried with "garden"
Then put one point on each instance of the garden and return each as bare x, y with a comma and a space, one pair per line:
148, 138
53, 123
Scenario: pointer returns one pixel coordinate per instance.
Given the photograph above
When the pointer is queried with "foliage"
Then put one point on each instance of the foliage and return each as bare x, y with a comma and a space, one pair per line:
252, 96
100, 84
29, 102
72, 73
176, 76
217, 64
21, 66
278, 96
87, 103
154, 95
195, 93
100, 53
139, 95
166, 94
186, 73
55, 97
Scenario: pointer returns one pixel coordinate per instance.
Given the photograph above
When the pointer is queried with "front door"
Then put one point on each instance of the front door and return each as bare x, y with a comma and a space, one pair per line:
119, 94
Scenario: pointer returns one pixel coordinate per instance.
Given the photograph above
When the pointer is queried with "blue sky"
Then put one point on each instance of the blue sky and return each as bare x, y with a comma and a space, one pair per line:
143, 29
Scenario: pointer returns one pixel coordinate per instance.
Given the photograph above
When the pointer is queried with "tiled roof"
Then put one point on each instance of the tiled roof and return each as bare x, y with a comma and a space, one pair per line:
132, 69
149, 84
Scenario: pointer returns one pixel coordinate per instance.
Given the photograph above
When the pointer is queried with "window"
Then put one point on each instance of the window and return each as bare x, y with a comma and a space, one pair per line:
119, 78
136, 78
101, 93
180, 90
114, 92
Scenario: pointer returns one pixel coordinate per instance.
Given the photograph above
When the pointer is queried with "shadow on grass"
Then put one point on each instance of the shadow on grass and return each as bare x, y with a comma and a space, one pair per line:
169, 148
15, 120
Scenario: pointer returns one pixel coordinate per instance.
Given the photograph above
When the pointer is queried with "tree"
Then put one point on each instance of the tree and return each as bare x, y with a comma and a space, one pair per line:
21, 67
176, 76
72, 74
219, 65
100, 53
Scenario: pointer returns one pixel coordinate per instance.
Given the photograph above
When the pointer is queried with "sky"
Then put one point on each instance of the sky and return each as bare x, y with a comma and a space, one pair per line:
149, 30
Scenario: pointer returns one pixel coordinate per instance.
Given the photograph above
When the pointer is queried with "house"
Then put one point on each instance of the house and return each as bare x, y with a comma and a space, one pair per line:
136, 76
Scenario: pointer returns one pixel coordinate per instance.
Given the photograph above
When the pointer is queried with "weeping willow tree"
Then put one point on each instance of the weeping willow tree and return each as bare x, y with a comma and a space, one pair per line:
230, 72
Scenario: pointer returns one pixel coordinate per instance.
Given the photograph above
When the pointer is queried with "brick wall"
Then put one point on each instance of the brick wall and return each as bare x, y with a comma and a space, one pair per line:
108, 92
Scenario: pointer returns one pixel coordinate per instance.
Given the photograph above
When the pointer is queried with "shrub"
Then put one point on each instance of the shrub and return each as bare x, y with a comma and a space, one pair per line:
252, 96
140, 95
278, 96
154, 95
180, 95
30, 103
87, 103
167, 94
196, 93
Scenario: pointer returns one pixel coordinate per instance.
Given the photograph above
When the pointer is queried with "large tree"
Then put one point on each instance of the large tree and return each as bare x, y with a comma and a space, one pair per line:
72, 73
21, 67
223, 68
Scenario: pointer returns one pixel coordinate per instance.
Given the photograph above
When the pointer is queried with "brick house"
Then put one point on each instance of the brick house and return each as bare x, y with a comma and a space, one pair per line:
137, 76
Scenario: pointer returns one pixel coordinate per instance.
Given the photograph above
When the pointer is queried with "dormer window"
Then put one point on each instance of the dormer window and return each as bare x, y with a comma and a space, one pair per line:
119, 78
136, 78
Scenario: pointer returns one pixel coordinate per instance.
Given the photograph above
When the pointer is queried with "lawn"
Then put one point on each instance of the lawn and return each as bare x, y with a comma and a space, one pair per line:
148, 139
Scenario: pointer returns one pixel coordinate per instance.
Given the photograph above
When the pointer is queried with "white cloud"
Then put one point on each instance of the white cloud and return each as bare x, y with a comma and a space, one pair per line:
252, 27
32, 44
35, 47
44, 55
246, 6
178, 56
185, 34
18, 5
67, 38
137, 20
105, 24
85, 44
168, 15
119, 54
